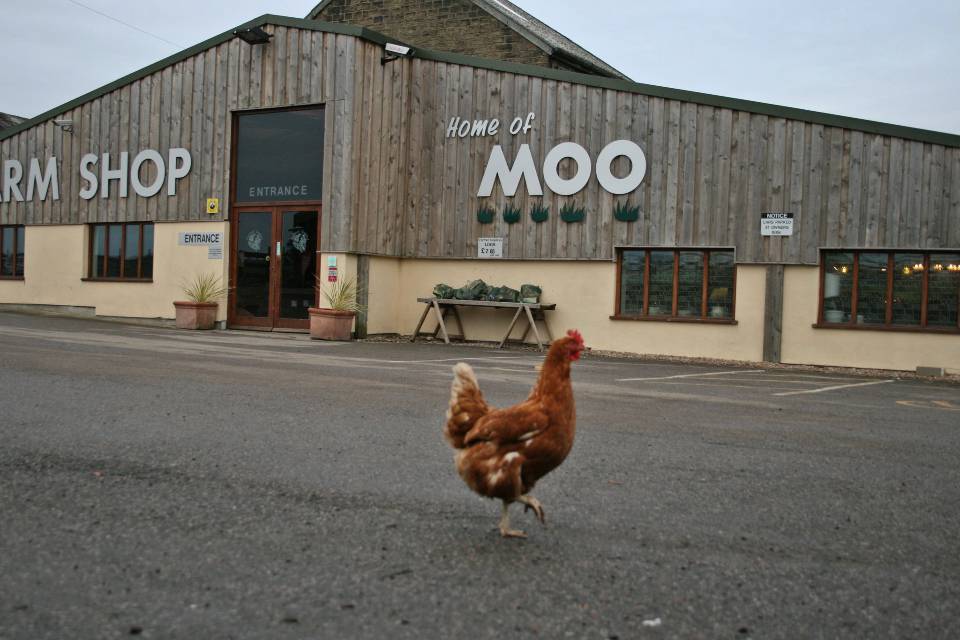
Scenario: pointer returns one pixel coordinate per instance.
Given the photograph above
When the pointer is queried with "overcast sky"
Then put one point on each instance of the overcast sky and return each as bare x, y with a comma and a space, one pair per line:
881, 60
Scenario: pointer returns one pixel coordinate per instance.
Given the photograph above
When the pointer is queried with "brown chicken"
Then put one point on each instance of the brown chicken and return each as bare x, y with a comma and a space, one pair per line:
502, 453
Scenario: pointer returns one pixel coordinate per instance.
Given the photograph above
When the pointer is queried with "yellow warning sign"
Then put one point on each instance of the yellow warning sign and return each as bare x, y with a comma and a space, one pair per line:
213, 205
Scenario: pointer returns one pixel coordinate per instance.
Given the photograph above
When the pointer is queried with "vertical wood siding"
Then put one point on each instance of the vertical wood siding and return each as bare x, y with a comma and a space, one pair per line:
711, 172
189, 104
394, 184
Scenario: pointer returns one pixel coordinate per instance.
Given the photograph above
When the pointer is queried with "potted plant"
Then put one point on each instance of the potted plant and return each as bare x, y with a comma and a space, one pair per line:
335, 321
200, 311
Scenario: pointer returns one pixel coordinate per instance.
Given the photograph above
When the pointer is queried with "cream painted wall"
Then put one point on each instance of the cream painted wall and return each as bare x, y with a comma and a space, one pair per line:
584, 293
383, 307
55, 263
803, 344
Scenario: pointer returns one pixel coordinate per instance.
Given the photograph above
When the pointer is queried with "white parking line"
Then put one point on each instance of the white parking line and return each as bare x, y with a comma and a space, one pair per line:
833, 388
690, 375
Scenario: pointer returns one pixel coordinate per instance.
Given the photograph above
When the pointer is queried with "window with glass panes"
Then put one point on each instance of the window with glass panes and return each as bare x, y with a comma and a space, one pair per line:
891, 289
12, 241
695, 284
121, 251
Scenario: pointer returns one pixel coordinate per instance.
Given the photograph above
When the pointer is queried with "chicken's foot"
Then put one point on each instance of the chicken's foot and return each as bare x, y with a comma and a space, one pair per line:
529, 502
505, 529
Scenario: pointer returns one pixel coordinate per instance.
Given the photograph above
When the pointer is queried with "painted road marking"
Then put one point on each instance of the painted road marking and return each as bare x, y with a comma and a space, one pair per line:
833, 388
689, 375
943, 405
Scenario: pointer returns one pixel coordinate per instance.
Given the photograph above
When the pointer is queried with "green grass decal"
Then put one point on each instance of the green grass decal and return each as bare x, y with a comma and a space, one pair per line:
485, 214
511, 214
625, 213
570, 212
538, 212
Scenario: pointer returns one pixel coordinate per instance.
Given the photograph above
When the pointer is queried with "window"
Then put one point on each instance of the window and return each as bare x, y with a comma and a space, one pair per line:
896, 290
121, 251
280, 155
11, 251
676, 284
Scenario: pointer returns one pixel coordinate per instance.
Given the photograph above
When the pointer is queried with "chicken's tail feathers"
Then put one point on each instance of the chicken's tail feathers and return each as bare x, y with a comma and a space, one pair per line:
466, 405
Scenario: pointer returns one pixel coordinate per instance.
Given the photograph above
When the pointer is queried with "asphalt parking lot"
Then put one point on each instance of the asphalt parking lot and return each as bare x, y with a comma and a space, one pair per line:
240, 485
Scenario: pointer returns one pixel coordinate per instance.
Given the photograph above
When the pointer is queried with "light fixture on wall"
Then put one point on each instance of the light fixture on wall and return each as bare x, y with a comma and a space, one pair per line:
65, 125
393, 51
253, 35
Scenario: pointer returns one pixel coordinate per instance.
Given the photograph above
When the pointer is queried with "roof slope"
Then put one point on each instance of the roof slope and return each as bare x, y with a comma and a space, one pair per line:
8, 120
777, 111
544, 37
539, 32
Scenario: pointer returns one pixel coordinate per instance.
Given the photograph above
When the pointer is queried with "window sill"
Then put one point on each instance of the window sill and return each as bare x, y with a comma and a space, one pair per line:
880, 327
681, 319
140, 280
20, 278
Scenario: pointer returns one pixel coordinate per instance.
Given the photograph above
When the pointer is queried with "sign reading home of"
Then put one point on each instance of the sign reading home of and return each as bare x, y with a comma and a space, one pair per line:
524, 166
776, 224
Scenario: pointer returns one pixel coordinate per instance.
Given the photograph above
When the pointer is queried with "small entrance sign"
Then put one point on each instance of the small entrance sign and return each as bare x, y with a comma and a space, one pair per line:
776, 224
197, 239
212, 240
490, 248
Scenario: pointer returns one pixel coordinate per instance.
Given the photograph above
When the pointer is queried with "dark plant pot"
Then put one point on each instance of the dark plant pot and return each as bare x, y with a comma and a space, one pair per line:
196, 315
330, 324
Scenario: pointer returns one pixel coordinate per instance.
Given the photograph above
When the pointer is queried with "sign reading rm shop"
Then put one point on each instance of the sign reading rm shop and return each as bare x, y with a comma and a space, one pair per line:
98, 172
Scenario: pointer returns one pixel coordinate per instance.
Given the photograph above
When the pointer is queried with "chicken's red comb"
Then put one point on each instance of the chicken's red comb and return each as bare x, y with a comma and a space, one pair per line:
573, 333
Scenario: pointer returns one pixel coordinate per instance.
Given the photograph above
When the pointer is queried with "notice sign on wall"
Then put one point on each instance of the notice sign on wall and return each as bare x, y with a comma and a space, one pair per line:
213, 241
490, 248
776, 224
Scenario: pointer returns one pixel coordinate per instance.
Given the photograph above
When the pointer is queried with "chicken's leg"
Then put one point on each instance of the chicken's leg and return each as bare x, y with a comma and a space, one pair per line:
505, 529
529, 502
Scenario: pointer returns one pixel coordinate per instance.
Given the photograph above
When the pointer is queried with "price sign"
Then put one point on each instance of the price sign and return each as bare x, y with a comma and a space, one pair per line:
490, 248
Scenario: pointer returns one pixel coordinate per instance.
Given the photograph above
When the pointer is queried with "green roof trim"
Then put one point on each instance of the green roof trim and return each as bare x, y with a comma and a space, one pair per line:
266, 19
761, 108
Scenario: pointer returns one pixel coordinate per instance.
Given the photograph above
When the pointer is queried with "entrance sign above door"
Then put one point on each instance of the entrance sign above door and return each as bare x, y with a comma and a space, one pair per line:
280, 155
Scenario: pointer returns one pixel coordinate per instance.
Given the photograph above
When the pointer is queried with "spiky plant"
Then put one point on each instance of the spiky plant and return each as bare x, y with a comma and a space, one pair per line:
570, 212
206, 288
511, 214
538, 212
625, 213
485, 214
342, 295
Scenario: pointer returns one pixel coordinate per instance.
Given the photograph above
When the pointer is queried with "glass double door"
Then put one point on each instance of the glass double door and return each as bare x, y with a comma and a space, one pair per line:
274, 274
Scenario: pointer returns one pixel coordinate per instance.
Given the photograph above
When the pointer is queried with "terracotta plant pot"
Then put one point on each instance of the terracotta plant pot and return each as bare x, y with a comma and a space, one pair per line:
330, 324
196, 315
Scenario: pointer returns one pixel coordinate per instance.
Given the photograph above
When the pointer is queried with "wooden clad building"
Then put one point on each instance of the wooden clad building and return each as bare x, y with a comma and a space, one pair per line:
606, 192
